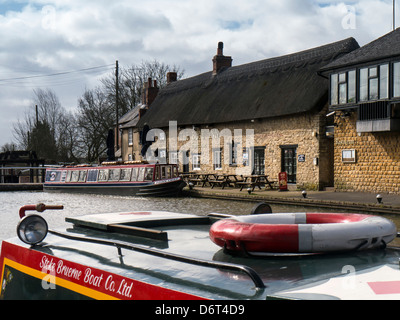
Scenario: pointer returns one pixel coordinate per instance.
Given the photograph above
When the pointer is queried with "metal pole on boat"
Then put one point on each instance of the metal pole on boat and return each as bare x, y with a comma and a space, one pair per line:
117, 101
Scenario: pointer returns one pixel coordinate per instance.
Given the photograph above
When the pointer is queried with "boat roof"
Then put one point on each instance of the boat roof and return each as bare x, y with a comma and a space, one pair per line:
174, 250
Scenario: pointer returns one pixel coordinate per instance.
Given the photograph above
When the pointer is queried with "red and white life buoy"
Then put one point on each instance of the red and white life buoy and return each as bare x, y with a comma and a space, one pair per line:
302, 233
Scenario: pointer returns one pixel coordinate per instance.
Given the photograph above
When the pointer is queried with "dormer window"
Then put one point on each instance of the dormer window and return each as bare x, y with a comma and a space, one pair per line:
343, 88
372, 85
396, 79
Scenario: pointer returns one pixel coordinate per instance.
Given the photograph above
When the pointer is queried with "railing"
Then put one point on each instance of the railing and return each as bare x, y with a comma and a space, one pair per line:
379, 110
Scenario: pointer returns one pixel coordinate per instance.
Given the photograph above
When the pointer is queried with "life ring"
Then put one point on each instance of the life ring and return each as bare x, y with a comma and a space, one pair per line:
302, 233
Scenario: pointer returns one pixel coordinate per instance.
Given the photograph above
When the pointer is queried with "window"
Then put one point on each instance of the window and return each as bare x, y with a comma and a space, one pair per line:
396, 79
141, 174
82, 176
349, 156
126, 174
173, 157
364, 84
196, 161
343, 88
135, 172
334, 92
233, 161
130, 136
114, 174
148, 176
374, 83
384, 81
352, 87
103, 175
246, 156
217, 159
75, 176
92, 175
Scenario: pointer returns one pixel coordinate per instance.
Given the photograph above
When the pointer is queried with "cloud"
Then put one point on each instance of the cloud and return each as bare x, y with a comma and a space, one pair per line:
49, 36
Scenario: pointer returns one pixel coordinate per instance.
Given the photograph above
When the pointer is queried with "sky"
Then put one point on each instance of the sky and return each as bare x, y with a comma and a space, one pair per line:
68, 46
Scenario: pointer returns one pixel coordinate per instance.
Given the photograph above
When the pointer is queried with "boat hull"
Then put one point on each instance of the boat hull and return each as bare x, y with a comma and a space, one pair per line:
171, 188
33, 275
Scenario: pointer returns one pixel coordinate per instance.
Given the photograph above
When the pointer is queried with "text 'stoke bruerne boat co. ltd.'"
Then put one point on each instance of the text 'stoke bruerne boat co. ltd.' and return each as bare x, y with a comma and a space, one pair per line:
128, 179
174, 256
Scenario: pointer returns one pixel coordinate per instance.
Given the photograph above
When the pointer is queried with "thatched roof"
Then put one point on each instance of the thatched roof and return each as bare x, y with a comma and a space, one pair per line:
275, 87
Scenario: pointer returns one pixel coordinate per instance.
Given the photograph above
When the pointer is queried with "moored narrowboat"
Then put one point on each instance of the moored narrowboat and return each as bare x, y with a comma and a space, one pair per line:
140, 179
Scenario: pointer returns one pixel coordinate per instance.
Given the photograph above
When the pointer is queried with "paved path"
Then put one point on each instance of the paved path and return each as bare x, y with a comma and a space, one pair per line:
353, 201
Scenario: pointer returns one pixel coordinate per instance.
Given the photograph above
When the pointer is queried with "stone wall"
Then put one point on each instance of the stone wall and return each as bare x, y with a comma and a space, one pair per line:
307, 131
377, 166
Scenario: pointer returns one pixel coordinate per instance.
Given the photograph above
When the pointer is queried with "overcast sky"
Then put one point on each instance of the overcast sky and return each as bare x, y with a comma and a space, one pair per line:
56, 36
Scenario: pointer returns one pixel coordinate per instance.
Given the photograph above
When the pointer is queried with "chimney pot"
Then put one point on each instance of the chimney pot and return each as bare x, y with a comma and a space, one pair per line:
172, 77
220, 51
220, 61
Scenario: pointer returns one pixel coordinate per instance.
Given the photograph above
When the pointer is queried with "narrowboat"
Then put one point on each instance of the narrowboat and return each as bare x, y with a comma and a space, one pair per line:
141, 179
178, 256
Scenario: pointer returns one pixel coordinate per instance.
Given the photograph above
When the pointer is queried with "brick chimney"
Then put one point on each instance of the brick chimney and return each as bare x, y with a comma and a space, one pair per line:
172, 77
149, 94
220, 61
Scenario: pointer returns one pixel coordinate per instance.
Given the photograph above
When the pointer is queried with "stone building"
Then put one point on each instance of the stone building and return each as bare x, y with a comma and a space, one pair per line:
365, 104
264, 117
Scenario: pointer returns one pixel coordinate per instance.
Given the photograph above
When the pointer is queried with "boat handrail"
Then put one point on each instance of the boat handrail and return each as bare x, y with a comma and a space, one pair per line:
167, 255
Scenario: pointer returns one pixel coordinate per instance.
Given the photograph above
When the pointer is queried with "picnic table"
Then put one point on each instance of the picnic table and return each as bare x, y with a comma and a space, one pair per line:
253, 181
224, 180
200, 178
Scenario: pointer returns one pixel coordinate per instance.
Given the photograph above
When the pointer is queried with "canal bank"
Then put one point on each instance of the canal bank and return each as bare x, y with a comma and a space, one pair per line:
347, 201
13, 187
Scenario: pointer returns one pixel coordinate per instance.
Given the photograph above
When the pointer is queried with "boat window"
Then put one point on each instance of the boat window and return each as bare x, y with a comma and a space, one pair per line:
68, 179
63, 176
158, 169
82, 176
92, 175
163, 172
175, 172
135, 172
141, 174
169, 172
53, 176
149, 174
126, 174
103, 175
114, 174
75, 176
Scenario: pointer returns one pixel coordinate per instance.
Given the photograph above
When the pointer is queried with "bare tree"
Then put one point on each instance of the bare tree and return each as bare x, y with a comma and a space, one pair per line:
44, 127
131, 82
95, 117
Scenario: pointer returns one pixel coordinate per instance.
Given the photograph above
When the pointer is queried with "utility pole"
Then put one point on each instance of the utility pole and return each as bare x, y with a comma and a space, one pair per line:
394, 14
117, 101
37, 115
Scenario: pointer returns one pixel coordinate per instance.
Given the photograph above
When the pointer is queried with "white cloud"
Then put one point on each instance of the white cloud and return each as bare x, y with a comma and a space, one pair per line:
49, 36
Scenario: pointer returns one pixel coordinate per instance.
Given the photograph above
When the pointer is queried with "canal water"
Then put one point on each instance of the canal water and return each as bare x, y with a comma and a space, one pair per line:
82, 204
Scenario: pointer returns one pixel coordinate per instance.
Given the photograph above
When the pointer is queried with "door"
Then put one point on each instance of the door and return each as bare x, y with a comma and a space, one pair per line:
259, 160
289, 162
